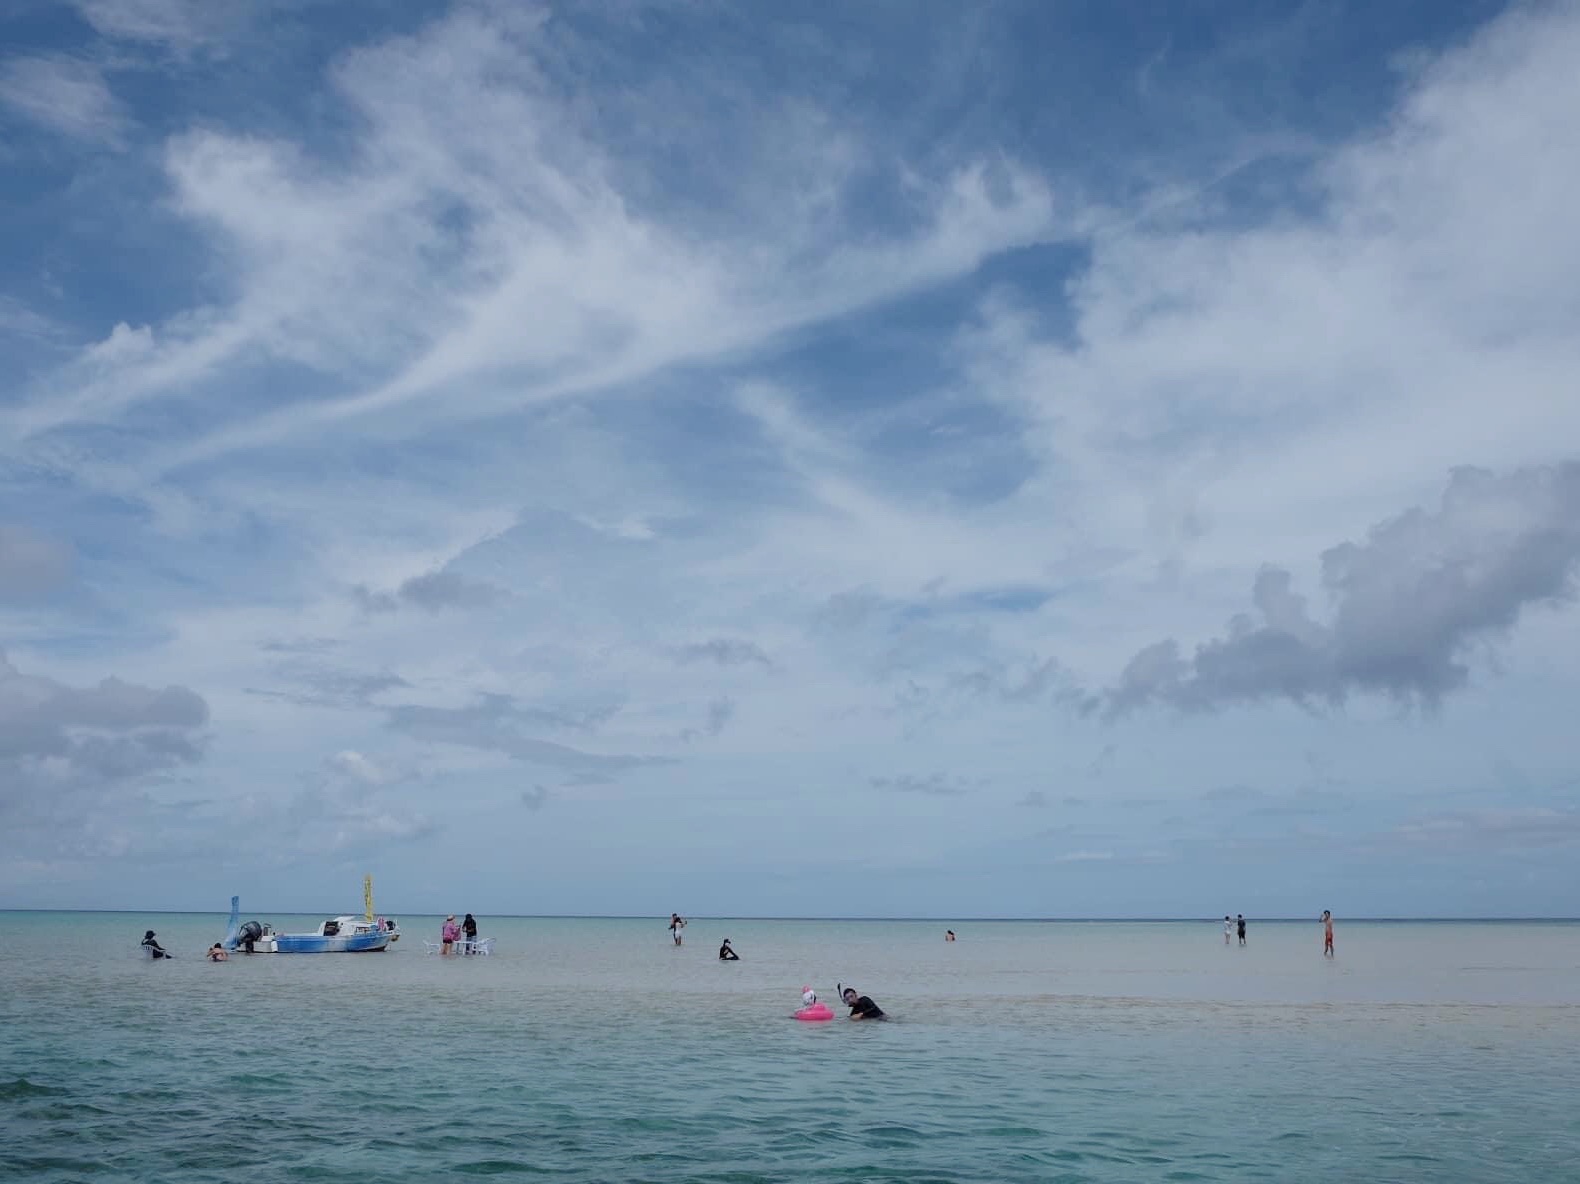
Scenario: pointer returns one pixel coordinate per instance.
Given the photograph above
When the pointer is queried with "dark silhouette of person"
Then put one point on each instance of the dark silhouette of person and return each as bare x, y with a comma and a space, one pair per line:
861, 1006
726, 954
155, 950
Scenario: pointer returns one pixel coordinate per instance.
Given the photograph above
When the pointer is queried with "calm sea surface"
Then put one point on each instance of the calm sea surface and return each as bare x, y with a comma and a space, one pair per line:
593, 1050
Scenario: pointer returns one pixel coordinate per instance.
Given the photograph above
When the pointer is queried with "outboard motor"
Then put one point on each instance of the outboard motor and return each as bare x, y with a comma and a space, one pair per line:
249, 933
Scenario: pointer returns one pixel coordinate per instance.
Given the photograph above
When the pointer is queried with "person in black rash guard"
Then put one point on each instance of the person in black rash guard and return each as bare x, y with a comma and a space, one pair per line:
861, 1006
155, 950
726, 954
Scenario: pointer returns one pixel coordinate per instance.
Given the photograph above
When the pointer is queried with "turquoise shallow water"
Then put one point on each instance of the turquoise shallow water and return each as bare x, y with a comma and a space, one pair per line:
593, 1050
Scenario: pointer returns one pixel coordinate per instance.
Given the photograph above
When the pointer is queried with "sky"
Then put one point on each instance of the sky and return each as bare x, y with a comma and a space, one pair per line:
897, 459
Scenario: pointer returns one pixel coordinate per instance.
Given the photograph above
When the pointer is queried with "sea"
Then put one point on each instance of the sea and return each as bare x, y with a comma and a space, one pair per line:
596, 1050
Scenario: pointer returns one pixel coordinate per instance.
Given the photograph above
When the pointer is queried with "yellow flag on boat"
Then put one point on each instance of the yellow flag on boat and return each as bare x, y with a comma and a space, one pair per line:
367, 895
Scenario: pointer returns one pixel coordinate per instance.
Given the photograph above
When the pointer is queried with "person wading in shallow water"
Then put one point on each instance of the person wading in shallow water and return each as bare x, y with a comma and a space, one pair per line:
1327, 934
676, 924
727, 953
861, 1006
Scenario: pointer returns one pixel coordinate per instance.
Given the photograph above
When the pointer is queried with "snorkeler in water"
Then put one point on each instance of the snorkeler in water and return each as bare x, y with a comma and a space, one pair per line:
861, 1006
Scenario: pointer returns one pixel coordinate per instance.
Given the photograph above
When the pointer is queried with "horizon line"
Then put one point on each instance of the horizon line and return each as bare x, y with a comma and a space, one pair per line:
959, 920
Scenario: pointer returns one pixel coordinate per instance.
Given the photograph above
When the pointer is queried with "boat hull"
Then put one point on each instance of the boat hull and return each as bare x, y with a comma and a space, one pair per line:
315, 943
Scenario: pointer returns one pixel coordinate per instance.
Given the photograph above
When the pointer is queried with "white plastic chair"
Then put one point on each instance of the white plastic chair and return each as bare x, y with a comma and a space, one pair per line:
483, 945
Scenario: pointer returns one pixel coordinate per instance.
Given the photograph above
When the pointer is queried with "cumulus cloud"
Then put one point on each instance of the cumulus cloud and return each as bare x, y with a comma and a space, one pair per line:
30, 566
432, 591
1408, 604
58, 741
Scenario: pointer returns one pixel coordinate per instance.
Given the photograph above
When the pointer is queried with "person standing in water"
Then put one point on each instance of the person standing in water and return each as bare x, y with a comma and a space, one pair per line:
861, 1006
726, 954
1327, 934
676, 924
469, 933
1239, 922
1228, 928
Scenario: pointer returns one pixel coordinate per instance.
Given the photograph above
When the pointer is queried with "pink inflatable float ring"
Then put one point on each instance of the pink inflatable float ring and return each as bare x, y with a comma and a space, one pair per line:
812, 1011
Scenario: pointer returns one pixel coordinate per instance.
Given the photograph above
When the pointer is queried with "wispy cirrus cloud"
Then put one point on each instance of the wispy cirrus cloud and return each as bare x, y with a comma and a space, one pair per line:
720, 712
320, 685
935, 785
177, 26
64, 94
493, 723
417, 258
431, 591
724, 651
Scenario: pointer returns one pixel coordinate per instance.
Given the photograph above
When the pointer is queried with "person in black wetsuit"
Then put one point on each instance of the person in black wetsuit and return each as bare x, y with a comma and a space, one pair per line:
726, 954
155, 950
861, 1006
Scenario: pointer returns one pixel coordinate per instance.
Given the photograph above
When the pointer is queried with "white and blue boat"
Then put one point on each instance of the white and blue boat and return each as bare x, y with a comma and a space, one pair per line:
337, 935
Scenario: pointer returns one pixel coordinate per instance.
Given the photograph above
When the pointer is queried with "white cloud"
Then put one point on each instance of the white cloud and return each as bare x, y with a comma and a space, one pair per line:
1083, 857
179, 26
31, 566
358, 767
479, 233
1236, 395
64, 94
19, 320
